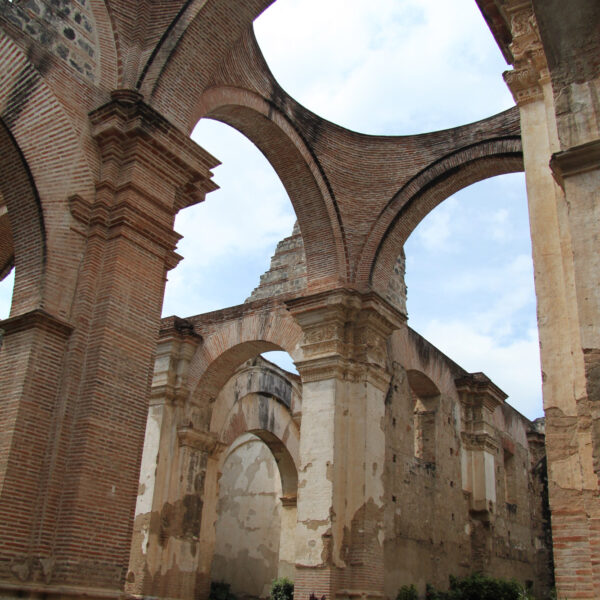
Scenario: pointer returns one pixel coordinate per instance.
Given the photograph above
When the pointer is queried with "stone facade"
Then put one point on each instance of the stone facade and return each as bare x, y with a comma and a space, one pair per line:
464, 483
96, 103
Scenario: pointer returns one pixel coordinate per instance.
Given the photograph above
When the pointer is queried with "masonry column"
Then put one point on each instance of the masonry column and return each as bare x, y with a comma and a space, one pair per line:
82, 404
149, 171
339, 535
556, 240
165, 485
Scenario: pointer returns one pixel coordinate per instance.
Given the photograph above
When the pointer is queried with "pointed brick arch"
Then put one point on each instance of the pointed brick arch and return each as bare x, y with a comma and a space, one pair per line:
53, 158
23, 242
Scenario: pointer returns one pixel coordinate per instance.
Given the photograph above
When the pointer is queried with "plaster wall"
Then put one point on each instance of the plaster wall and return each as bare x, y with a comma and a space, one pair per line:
248, 527
433, 528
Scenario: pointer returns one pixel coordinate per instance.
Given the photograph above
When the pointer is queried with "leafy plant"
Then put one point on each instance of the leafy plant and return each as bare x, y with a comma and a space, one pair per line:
478, 587
407, 592
219, 590
282, 589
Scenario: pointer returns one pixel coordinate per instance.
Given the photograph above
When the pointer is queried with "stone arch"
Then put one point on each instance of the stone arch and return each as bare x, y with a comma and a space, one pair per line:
259, 401
264, 417
255, 405
299, 171
427, 190
235, 341
22, 232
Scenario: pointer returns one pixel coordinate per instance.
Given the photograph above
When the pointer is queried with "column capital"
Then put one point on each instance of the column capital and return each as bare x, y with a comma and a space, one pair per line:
177, 344
343, 327
527, 53
129, 131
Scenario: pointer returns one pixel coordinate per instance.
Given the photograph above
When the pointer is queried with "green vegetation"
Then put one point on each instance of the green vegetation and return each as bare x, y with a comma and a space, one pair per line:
282, 589
219, 590
407, 592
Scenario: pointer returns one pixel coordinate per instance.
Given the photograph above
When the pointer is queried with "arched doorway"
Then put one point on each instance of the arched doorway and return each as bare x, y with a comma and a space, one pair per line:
256, 520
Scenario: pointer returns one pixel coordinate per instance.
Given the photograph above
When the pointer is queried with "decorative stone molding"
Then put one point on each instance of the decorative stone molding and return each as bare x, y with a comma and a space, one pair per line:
344, 324
527, 53
38, 319
176, 347
480, 441
576, 160
478, 389
143, 200
205, 441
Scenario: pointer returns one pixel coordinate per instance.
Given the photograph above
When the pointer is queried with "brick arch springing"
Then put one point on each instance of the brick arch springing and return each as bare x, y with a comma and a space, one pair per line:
187, 55
300, 173
25, 245
423, 193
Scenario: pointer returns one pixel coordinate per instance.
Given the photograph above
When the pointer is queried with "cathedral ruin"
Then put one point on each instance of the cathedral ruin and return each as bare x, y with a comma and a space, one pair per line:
133, 447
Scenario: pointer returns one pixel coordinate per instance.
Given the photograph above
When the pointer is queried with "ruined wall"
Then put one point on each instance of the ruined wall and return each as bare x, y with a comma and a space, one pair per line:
66, 28
248, 527
464, 493
287, 273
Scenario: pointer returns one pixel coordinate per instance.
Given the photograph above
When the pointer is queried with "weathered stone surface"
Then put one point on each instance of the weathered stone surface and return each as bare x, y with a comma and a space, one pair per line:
96, 103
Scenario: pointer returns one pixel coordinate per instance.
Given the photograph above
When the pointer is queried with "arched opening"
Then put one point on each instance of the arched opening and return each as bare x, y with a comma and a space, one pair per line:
256, 416
228, 240
256, 516
22, 240
470, 286
425, 396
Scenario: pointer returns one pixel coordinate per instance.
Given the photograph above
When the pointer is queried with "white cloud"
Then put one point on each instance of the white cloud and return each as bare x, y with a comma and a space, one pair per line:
391, 67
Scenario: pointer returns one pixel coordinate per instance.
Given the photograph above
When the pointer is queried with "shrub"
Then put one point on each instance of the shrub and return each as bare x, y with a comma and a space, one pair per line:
407, 592
219, 590
282, 589
478, 587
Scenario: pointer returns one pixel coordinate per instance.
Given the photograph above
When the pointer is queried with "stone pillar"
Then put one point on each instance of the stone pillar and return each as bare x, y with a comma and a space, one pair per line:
339, 535
76, 416
169, 440
479, 398
564, 243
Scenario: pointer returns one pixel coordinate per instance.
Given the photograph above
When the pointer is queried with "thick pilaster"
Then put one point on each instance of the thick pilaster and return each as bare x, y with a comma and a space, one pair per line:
563, 224
339, 535
95, 388
33, 347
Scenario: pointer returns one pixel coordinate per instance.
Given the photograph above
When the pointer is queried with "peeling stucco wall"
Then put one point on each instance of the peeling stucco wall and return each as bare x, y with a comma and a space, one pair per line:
248, 528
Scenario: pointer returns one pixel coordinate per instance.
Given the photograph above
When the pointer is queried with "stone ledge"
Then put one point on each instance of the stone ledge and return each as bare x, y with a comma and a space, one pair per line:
576, 160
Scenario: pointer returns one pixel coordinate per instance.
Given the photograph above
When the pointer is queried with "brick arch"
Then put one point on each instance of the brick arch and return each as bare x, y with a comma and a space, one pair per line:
190, 51
423, 193
234, 342
23, 241
300, 173
58, 164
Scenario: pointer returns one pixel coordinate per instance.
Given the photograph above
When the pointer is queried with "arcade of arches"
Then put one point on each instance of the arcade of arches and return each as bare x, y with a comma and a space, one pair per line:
379, 434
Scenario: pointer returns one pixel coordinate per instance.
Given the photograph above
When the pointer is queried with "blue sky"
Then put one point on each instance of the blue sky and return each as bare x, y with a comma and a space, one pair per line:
380, 67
